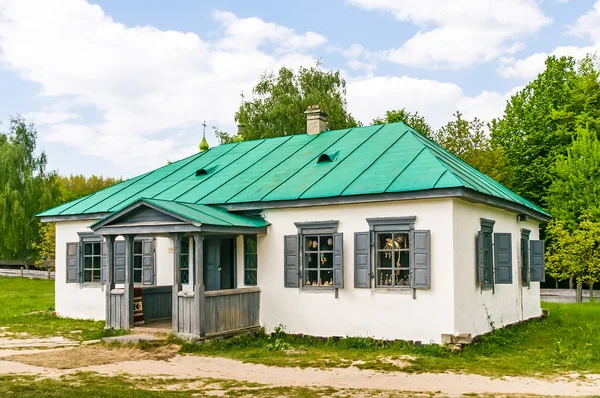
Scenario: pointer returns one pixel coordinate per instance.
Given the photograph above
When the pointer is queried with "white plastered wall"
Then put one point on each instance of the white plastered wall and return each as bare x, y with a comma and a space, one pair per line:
508, 303
386, 313
87, 300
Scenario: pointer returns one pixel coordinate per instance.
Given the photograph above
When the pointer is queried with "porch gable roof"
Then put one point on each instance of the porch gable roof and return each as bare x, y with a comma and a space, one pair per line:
194, 214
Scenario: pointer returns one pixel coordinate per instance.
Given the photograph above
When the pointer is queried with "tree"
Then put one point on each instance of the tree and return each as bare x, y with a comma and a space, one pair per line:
540, 120
280, 101
575, 189
70, 188
414, 120
468, 140
575, 254
25, 189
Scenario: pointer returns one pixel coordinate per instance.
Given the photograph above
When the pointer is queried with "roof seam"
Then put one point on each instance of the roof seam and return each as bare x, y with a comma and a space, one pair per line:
340, 162
203, 212
441, 175
220, 170
305, 164
373, 162
404, 168
273, 168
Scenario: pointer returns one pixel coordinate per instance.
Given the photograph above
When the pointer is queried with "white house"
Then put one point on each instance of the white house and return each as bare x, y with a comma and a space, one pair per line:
370, 231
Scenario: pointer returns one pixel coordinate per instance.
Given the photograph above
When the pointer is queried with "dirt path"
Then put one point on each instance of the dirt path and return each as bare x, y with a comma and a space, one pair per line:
205, 367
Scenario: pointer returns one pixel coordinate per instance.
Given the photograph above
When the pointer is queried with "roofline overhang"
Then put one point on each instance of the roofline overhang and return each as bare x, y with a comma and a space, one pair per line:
437, 193
176, 229
459, 192
141, 202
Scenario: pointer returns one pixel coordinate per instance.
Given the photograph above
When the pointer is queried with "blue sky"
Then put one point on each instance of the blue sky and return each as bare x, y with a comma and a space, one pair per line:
119, 87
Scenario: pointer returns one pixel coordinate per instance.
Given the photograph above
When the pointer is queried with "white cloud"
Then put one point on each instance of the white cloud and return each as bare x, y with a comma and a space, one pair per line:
370, 97
49, 117
528, 68
249, 33
460, 33
588, 24
140, 80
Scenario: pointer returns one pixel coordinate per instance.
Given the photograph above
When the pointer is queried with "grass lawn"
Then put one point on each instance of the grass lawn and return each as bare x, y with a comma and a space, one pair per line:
93, 385
568, 340
27, 306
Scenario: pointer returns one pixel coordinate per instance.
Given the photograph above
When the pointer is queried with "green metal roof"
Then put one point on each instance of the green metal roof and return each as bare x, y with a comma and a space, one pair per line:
377, 159
202, 214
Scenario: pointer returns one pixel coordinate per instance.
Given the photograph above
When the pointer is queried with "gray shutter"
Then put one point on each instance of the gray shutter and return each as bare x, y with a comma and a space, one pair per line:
291, 261
480, 258
536, 263
362, 260
120, 262
421, 272
148, 262
103, 262
338, 260
73, 269
503, 258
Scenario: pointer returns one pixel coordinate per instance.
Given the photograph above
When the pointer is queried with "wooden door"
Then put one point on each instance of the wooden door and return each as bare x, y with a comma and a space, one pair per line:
212, 264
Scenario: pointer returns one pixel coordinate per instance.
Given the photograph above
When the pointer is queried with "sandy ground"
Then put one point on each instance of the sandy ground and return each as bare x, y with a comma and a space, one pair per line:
205, 367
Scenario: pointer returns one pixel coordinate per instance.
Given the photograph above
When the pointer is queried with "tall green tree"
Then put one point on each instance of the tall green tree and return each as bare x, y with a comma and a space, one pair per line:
279, 102
575, 189
539, 123
414, 120
469, 141
26, 188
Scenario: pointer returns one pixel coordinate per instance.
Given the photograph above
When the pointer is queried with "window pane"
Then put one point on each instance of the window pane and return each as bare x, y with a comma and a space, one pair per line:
326, 242
137, 247
87, 262
311, 277
137, 262
250, 245
402, 277
312, 243
384, 277
384, 259
402, 259
384, 241
185, 276
87, 275
401, 240
184, 261
137, 276
96, 248
250, 277
96, 275
96, 261
312, 260
326, 277
326, 260
87, 249
251, 261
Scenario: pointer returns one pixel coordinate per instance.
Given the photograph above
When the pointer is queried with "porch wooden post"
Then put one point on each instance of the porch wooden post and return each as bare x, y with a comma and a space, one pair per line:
176, 281
109, 285
199, 284
128, 288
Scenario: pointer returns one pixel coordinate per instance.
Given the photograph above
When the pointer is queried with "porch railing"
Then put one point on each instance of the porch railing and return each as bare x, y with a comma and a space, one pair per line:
231, 310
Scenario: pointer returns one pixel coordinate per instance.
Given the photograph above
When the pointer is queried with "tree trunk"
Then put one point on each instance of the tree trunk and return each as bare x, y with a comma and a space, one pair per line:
592, 292
579, 294
570, 283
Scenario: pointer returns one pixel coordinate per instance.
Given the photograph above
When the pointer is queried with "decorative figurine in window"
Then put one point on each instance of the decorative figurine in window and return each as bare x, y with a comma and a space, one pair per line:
307, 281
388, 246
399, 243
315, 244
323, 259
330, 242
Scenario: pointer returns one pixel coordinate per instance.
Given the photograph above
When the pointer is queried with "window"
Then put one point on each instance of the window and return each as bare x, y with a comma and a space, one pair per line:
184, 261
392, 259
250, 260
486, 254
318, 260
92, 262
525, 257
137, 262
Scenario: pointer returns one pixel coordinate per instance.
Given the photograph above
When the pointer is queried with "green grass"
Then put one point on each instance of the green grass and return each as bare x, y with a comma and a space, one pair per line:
568, 340
94, 385
27, 306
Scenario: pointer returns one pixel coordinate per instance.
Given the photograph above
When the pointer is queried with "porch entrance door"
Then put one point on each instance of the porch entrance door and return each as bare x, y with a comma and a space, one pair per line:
212, 264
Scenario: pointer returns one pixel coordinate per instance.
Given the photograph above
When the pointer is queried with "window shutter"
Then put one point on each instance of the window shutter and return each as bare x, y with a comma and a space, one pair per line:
103, 262
338, 260
503, 258
73, 269
536, 263
148, 262
362, 260
120, 262
480, 258
421, 272
291, 261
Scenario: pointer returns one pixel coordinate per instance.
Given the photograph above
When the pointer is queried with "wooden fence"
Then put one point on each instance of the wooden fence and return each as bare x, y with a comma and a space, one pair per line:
27, 273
